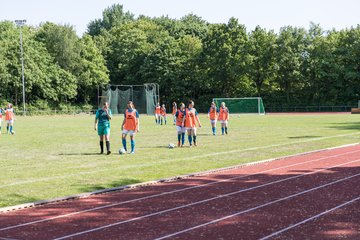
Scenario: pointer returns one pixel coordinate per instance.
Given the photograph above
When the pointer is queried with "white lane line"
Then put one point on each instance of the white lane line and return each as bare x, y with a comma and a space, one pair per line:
257, 207
202, 201
4, 238
310, 219
173, 160
171, 192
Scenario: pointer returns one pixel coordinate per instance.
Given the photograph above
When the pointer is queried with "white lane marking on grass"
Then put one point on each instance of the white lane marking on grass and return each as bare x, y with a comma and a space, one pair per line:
273, 146
171, 160
311, 218
214, 198
257, 207
174, 191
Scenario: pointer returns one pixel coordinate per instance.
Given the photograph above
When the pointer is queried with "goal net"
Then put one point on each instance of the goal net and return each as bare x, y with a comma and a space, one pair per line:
144, 97
242, 105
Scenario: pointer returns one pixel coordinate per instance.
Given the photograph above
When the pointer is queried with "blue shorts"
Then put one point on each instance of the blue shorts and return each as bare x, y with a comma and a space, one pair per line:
103, 130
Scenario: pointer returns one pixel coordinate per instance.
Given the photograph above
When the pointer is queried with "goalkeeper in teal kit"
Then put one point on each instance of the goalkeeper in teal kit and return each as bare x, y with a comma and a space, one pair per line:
102, 125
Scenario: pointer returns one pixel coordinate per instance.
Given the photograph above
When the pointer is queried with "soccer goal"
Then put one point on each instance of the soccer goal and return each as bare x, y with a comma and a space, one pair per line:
144, 97
242, 105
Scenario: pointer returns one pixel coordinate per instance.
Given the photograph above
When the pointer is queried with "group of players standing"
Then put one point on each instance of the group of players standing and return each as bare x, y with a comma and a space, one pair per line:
130, 126
186, 119
9, 118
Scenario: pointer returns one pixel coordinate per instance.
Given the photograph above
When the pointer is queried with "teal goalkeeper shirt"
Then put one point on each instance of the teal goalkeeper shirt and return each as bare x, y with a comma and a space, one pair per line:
103, 118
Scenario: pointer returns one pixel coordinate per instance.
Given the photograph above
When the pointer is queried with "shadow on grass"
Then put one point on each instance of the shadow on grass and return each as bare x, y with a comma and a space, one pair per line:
80, 154
16, 198
114, 184
161, 146
346, 126
206, 134
302, 137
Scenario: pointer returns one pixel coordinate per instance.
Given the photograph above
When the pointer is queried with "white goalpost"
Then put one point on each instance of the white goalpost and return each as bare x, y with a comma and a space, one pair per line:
250, 105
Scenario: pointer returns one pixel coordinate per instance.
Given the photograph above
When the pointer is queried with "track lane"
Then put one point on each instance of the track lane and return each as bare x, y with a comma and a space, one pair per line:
156, 226
340, 222
246, 182
73, 207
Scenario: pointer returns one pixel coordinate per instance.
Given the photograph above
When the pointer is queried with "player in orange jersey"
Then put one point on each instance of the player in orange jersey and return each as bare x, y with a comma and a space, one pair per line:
10, 118
157, 113
130, 125
174, 110
163, 114
191, 118
180, 124
213, 115
1, 112
224, 118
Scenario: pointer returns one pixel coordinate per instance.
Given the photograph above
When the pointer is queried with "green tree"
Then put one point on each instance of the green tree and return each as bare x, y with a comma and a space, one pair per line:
93, 71
290, 55
112, 16
348, 57
10, 66
40, 70
129, 46
224, 60
188, 25
321, 68
261, 48
62, 43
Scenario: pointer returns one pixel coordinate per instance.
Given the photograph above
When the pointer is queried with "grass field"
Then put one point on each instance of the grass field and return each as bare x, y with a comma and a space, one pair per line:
54, 156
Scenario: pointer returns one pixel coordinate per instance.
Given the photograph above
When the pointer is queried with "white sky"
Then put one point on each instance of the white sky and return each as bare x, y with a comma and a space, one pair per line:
269, 14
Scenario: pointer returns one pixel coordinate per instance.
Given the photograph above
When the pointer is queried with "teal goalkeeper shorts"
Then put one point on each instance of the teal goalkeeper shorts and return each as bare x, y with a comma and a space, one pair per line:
103, 130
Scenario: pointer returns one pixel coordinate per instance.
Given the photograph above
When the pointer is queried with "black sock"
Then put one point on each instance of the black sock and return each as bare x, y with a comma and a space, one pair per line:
108, 146
101, 146
226, 130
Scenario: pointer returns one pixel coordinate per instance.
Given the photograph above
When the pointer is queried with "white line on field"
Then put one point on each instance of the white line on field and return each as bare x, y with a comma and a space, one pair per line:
219, 197
171, 192
172, 160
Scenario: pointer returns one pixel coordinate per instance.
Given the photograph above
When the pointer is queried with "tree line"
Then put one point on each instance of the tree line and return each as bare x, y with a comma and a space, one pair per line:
187, 57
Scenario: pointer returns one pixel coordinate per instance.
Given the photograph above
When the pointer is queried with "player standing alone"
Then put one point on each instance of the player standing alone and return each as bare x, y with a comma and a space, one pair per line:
180, 124
224, 118
10, 118
191, 118
102, 125
130, 125
213, 115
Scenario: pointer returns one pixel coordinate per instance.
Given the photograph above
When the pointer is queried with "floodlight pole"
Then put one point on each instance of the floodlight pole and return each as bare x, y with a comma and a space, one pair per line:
21, 23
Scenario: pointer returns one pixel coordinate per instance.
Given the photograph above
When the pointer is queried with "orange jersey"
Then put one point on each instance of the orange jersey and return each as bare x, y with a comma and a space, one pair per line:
163, 111
131, 119
224, 114
179, 117
174, 109
190, 117
213, 113
9, 114
157, 110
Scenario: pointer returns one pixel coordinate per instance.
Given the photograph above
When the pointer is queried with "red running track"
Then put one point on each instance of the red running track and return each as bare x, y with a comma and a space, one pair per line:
310, 196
